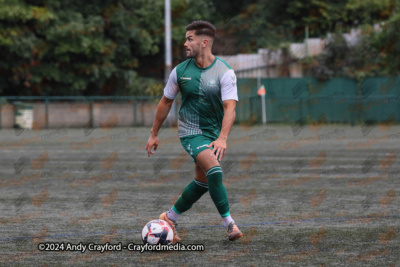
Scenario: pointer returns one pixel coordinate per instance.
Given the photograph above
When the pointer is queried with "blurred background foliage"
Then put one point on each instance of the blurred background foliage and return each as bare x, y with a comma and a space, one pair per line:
116, 47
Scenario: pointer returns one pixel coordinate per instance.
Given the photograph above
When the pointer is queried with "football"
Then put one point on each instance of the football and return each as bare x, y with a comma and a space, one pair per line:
157, 232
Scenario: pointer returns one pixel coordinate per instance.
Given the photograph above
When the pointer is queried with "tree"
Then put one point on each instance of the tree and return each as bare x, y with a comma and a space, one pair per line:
74, 48
116, 47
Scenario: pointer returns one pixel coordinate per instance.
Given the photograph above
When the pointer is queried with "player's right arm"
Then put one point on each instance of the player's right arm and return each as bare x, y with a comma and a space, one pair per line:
164, 106
171, 90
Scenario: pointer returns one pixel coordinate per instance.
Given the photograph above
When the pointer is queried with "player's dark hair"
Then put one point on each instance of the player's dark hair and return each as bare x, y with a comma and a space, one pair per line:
202, 27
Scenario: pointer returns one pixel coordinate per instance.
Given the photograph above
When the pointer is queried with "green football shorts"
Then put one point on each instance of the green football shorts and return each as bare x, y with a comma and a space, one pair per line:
194, 144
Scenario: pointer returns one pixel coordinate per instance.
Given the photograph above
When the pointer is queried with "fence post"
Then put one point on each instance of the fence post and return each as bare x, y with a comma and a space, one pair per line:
134, 113
91, 113
46, 111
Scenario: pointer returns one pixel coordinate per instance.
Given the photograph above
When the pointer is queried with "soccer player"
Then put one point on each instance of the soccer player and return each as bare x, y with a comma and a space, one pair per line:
209, 95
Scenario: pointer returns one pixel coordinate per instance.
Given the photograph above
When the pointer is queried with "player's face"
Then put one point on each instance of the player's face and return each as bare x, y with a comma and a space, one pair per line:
192, 44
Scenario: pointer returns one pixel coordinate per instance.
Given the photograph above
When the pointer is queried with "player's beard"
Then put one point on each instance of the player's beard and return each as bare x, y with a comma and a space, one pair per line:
192, 53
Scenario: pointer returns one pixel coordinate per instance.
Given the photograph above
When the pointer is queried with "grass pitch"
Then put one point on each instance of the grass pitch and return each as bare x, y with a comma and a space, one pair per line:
305, 196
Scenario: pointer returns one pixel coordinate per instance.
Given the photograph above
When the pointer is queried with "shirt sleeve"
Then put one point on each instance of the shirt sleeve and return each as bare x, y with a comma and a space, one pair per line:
228, 86
171, 90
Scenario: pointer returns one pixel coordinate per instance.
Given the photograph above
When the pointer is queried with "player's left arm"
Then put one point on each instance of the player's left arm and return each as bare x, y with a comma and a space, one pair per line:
227, 123
229, 99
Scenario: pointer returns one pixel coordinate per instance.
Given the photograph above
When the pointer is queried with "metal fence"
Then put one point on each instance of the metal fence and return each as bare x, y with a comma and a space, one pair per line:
338, 100
55, 111
288, 100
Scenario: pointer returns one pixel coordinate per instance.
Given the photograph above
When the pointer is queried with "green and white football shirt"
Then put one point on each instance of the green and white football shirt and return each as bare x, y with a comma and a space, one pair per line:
203, 90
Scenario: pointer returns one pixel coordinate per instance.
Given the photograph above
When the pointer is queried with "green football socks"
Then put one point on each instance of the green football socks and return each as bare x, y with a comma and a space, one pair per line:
217, 190
196, 189
190, 195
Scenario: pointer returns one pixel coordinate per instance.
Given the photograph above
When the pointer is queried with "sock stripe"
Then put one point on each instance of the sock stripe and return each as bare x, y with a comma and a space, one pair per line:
215, 168
214, 172
202, 185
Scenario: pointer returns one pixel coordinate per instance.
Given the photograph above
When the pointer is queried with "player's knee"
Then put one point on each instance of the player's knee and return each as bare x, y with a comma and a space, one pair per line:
200, 174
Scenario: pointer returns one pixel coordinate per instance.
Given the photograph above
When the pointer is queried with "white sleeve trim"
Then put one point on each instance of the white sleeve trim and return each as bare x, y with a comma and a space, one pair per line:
229, 86
171, 90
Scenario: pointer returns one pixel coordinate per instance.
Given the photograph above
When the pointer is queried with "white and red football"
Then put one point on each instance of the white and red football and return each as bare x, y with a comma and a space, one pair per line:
157, 232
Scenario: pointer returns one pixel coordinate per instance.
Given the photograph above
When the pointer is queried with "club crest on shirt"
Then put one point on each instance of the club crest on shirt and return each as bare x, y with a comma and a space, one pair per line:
212, 82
